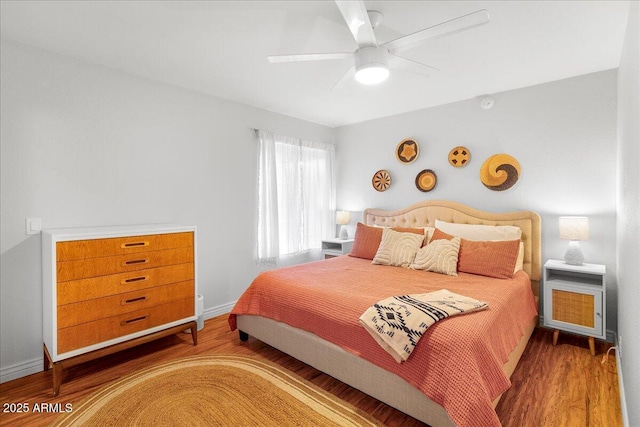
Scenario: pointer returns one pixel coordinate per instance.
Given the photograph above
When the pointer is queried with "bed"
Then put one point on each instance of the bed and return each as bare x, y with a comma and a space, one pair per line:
439, 384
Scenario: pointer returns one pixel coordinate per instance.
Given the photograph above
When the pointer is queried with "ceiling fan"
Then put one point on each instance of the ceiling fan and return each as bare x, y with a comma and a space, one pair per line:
372, 61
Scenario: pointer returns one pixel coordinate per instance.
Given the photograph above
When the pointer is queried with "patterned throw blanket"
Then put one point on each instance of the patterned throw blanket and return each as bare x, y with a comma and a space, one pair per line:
397, 323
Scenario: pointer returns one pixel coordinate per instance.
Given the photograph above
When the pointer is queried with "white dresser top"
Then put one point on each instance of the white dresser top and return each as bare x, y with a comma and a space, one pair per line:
115, 231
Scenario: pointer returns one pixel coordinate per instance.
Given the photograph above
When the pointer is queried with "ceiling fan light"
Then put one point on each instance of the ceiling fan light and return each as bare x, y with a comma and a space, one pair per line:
371, 74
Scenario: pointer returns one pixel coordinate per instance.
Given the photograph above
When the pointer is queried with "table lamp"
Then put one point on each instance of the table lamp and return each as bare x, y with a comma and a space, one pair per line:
574, 228
343, 218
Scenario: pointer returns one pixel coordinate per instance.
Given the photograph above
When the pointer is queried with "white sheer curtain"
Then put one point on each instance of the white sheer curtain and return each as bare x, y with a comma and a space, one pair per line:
296, 195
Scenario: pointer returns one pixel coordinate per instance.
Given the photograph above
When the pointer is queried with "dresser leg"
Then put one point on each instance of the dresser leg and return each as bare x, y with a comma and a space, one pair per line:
47, 363
555, 336
57, 370
57, 377
592, 346
194, 333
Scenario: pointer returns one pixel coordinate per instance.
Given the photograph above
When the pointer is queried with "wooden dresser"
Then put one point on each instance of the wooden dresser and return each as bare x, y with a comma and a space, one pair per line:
110, 288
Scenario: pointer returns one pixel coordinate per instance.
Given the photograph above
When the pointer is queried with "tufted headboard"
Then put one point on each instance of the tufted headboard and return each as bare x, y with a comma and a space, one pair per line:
425, 213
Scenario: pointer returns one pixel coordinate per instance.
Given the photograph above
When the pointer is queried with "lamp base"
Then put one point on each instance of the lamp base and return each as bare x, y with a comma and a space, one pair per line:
343, 233
573, 255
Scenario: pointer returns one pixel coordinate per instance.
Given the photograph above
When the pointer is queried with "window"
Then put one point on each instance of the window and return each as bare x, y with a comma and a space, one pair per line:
296, 195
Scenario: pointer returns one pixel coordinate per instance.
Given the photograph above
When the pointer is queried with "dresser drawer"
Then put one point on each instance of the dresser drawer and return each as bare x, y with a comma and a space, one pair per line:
94, 248
93, 267
95, 309
98, 331
102, 286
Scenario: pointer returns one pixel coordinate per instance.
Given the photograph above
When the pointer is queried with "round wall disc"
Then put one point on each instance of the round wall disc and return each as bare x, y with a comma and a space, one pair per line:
459, 156
381, 180
407, 151
426, 180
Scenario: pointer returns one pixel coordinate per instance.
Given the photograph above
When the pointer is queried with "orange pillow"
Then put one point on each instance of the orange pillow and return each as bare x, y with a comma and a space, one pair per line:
367, 239
489, 258
440, 235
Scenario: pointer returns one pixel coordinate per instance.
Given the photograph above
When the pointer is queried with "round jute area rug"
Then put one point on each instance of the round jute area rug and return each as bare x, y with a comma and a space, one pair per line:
220, 390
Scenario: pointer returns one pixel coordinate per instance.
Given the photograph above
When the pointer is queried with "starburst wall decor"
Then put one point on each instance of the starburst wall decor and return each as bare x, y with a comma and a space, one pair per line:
407, 151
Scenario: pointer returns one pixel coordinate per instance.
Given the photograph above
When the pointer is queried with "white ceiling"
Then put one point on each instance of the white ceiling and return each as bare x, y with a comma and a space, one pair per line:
220, 48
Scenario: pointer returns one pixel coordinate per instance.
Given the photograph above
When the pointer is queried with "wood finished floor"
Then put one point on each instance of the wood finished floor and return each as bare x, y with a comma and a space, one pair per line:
552, 386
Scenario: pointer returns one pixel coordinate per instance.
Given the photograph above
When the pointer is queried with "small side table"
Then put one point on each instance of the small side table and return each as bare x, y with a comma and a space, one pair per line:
336, 247
575, 300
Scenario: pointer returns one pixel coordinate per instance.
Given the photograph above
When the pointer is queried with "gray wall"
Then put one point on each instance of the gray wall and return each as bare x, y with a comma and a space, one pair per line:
562, 133
629, 213
83, 145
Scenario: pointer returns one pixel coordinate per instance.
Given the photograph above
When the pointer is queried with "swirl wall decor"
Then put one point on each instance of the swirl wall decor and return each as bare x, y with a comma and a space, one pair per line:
500, 172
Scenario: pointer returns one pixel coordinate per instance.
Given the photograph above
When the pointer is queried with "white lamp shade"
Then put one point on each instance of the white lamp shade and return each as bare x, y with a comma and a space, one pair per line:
574, 227
343, 217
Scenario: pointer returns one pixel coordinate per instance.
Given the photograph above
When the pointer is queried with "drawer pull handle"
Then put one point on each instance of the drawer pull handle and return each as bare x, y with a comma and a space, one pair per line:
132, 300
134, 279
137, 319
136, 261
134, 245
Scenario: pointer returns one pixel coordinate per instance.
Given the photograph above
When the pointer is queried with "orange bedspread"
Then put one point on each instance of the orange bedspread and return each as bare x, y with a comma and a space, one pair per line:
457, 363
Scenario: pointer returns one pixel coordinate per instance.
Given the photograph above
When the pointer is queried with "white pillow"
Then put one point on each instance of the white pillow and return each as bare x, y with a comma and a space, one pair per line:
397, 249
480, 233
439, 256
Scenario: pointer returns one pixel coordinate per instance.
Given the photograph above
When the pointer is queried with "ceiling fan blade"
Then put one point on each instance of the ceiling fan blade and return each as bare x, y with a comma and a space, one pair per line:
348, 75
357, 19
405, 64
446, 28
309, 57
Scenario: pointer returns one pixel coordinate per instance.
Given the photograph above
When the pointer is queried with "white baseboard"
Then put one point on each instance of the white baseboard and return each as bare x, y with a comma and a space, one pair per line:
20, 370
218, 311
623, 398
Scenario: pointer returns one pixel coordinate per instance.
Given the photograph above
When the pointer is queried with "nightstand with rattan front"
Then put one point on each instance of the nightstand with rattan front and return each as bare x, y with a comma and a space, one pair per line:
575, 300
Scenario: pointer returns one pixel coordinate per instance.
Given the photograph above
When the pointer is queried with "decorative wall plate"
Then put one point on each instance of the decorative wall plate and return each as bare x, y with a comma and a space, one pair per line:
426, 180
500, 172
407, 151
459, 156
381, 180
